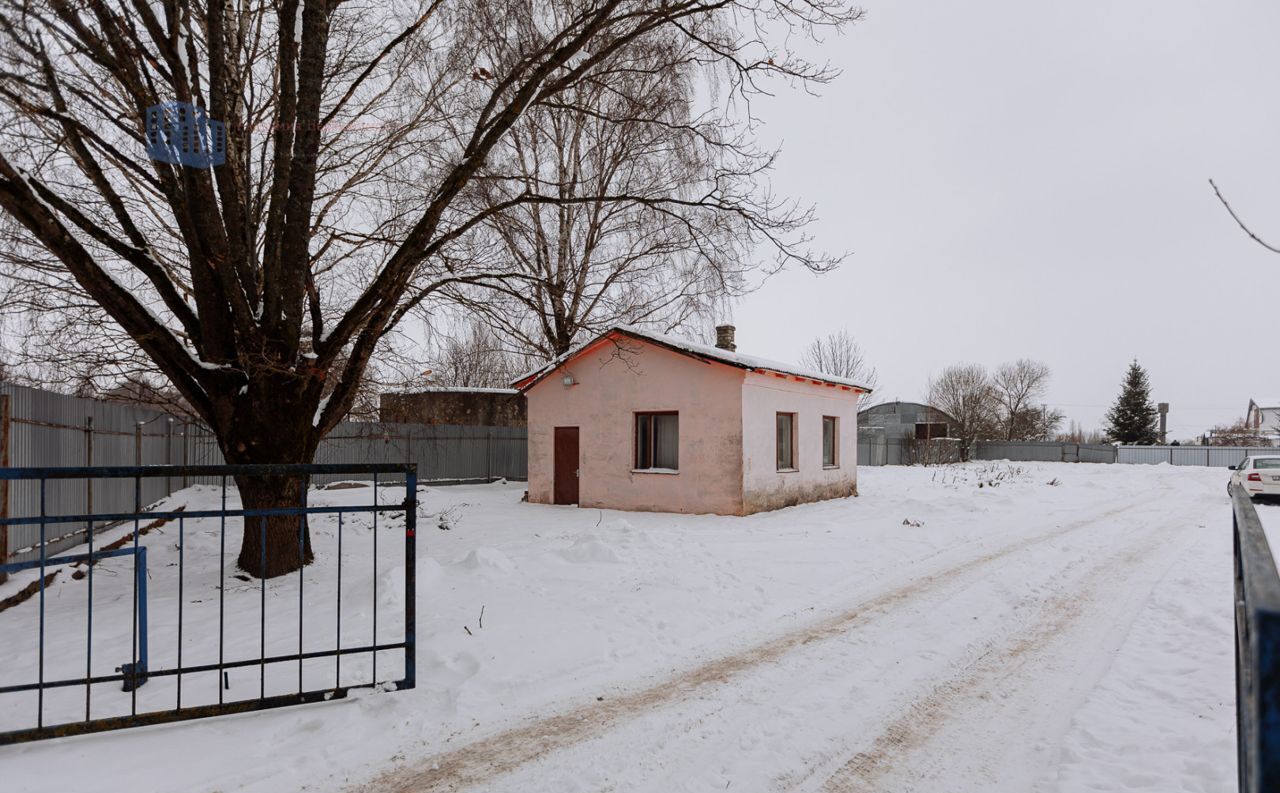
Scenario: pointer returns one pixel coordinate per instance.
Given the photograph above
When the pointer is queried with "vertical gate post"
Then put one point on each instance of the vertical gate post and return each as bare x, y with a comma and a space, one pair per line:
5, 424
137, 443
168, 455
410, 578
88, 481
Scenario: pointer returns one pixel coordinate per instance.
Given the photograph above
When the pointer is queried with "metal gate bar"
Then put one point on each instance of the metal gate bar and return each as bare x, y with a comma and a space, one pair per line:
138, 672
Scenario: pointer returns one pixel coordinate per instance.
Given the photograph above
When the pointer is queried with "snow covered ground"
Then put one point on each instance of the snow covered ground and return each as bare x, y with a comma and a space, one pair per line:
986, 627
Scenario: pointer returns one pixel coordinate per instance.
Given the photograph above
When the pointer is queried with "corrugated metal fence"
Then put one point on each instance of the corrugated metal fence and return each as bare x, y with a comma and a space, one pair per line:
875, 448
54, 430
1045, 451
443, 452
1212, 456
45, 429
878, 450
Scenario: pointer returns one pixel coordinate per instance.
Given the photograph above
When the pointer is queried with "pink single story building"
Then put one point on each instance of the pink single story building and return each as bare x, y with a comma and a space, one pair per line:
641, 421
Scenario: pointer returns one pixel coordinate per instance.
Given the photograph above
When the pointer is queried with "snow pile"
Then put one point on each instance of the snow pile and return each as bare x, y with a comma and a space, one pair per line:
487, 561
590, 548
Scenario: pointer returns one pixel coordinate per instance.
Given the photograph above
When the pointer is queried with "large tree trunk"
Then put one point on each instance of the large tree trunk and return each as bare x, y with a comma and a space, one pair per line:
277, 544
272, 434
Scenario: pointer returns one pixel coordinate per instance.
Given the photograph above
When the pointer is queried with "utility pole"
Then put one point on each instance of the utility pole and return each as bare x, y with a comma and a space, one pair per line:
1163, 407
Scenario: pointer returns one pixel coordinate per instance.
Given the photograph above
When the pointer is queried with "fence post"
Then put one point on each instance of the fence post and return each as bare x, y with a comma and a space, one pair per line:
168, 455
185, 428
88, 480
1170, 455
5, 424
137, 443
488, 453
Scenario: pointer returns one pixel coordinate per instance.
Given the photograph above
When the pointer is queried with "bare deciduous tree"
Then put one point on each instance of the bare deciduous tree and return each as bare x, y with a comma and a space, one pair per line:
474, 357
1238, 433
611, 246
1016, 387
999, 405
357, 141
1077, 434
840, 355
1032, 423
964, 392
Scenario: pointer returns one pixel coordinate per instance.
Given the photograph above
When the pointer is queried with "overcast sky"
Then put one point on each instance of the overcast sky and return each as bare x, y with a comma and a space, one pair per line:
1030, 179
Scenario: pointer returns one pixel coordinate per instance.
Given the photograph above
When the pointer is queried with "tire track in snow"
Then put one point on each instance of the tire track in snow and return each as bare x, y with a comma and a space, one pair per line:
475, 763
999, 659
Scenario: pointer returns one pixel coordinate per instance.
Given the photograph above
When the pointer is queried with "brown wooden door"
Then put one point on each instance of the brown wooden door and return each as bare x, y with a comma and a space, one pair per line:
566, 465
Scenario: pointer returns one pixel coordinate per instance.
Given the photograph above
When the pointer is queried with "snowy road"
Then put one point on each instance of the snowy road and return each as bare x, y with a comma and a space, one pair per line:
1029, 628
880, 696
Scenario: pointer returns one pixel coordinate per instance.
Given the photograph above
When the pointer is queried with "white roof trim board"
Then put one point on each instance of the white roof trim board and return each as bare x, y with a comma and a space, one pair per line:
749, 362
451, 389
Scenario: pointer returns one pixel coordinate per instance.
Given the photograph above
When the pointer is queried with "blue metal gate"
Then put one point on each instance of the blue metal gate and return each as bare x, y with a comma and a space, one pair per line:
182, 579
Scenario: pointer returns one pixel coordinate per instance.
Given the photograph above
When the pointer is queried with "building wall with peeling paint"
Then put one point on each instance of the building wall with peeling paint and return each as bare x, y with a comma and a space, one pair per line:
727, 438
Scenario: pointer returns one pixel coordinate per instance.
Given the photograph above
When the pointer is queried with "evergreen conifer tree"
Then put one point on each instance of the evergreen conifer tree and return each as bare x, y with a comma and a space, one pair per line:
1133, 419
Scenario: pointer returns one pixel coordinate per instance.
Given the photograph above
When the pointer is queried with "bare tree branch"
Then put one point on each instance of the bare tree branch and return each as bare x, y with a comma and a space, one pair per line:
1240, 222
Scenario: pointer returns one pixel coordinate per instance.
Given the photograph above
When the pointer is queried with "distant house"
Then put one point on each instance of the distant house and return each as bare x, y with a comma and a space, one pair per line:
1264, 415
641, 421
473, 407
907, 420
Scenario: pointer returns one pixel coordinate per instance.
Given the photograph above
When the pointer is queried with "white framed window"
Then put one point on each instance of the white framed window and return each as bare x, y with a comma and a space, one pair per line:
786, 441
830, 441
658, 441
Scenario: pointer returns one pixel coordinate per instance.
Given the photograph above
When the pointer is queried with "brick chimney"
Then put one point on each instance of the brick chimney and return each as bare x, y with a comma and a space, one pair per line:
724, 338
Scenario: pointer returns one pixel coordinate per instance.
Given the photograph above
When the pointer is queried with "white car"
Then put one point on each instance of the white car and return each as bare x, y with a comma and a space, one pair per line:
1258, 476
